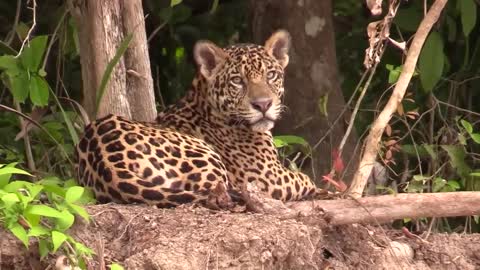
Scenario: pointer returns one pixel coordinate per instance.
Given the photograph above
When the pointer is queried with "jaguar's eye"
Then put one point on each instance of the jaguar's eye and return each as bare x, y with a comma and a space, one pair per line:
236, 80
271, 75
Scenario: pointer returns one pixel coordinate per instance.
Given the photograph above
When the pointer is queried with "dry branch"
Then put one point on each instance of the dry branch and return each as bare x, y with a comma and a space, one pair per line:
372, 144
381, 209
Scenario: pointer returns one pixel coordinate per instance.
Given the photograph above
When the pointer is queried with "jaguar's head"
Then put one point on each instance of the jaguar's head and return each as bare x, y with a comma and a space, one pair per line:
245, 81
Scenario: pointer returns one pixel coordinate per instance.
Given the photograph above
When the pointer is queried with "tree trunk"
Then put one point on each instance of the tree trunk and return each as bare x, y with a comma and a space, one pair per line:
310, 77
102, 27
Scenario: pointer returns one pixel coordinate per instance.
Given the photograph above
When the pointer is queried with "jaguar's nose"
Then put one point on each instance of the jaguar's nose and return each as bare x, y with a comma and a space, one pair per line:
262, 105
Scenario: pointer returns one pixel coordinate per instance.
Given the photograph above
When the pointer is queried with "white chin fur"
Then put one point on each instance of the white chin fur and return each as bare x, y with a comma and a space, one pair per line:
263, 125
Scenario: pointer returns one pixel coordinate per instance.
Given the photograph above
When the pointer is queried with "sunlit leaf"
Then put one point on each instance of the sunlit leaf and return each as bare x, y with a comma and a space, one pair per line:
175, 2
5, 177
468, 127
73, 194
57, 239
79, 210
115, 266
9, 199
20, 233
65, 220
44, 210
38, 230
284, 140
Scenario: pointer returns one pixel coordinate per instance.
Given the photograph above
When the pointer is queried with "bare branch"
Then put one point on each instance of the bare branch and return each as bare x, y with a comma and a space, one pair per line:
371, 149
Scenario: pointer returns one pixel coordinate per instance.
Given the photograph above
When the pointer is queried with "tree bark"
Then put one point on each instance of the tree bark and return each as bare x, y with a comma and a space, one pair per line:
102, 27
311, 74
383, 209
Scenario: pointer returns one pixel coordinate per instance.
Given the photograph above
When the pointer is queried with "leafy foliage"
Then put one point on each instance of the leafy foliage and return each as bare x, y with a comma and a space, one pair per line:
43, 210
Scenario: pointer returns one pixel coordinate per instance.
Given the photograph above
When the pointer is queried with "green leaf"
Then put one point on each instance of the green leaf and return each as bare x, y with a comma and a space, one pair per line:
44, 210
43, 248
9, 62
468, 127
431, 61
11, 170
32, 54
451, 29
284, 140
430, 150
410, 150
19, 86
475, 137
438, 184
408, 18
34, 190
175, 2
65, 221
70, 183
68, 122
454, 184
468, 14
322, 105
39, 91
80, 211
214, 7
33, 220
20, 233
10, 199
457, 158
394, 73
420, 178
57, 239
16, 185
115, 266
5, 177
73, 194
38, 230
22, 30
108, 70
81, 249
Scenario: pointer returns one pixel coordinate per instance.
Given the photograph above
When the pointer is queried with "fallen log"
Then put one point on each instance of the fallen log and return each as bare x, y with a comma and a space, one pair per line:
382, 209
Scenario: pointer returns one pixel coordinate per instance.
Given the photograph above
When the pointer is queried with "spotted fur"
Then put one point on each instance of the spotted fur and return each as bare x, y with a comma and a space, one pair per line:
218, 134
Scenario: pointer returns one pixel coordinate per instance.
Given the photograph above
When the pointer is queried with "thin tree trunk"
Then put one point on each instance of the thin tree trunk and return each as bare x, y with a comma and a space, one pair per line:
311, 75
103, 26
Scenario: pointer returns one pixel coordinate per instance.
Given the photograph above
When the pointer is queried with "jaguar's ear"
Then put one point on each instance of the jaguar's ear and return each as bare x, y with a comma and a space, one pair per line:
278, 45
208, 57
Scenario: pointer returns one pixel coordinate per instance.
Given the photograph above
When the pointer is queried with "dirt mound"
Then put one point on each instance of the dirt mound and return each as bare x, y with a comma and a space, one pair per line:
141, 237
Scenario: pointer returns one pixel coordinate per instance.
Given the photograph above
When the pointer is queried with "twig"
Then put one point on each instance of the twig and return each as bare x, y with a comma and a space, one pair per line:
154, 32
454, 107
37, 125
15, 22
52, 40
366, 164
27, 38
26, 140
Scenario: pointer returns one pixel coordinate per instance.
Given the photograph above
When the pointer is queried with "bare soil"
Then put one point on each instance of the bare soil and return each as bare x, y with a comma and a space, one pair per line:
142, 237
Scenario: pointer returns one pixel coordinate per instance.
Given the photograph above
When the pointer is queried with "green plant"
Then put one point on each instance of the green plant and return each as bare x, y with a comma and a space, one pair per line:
43, 210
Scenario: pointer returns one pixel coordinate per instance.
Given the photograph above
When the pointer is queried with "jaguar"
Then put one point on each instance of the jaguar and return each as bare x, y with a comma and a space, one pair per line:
216, 138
